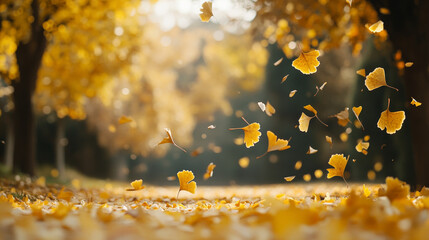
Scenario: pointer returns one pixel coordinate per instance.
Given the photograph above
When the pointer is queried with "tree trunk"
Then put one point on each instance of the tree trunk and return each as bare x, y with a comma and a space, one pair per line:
408, 29
59, 149
29, 57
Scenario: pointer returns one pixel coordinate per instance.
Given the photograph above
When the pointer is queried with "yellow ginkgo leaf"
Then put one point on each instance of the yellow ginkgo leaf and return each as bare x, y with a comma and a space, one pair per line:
343, 117
311, 150
269, 109
124, 119
409, 64
362, 147
251, 134
376, 27
185, 180
289, 179
206, 11
392, 121
415, 102
366, 191
339, 162
209, 171
169, 139
376, 79
278, 62
311, 109
275, 144
292, 93
329, 140
357, 111
361, 72
137, 185
307, 63
395, 189
284, 78
304, 122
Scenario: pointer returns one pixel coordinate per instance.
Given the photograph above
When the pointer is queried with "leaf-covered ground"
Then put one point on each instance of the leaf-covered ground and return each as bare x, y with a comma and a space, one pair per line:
31, 210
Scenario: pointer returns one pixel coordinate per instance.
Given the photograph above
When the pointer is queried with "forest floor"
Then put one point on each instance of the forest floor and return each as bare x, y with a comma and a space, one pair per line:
34, 210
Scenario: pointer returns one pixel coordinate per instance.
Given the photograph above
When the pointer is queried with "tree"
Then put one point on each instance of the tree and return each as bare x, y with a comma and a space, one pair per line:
328, 24
81, 39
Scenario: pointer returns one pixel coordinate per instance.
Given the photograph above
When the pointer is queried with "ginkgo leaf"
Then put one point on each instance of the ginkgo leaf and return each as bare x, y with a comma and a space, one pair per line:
343, 117
284, 78
362, 147
292, 93
409, 64
307, 63
329, 140
289, 179
311, 150
366, 191
376, 79
339, 162
251, 134
357, 111
304, 122
206, 11
209, 171
310, 108
320, 88
269, 109
395, 189
275, 144
361, 72
376, 27
392, 121
185, 180
124, 119
137, 185
278, 62
169, 139
384, 11
415, 102
262, 106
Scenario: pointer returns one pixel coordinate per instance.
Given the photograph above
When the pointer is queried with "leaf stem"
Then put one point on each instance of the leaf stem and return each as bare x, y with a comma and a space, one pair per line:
245, 120
392, 88
346, 182
262, 155
320, 120
177, 197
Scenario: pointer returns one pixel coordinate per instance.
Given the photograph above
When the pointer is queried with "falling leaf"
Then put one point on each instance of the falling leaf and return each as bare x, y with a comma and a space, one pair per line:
211, 127
362, 147
329, 140
311, 150
269, 110
284, 78
289, 179
307, 63
357, 111
206, 11
415, 102
384, 11
377, 79
339, 162
278, 62
292, 93
395, 189
361, 72
262, 106
320, 88
343, 117
392, 121
376, 27
137, 185
409, 64
244, 162
366, 191
185, 180
125, 119
251, 134
311, 109
169, 139
304, 122
209, 171
275, 144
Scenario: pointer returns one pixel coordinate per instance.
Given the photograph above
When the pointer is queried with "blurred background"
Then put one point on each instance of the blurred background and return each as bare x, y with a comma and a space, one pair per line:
70, 70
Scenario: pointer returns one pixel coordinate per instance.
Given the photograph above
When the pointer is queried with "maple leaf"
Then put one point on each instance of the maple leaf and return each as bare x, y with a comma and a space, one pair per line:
376, 79
339, 162
137, 185
415, 102
124, 119
251, 134
357, 111
275, 144
169, 139
376, 27
307, 63
392, 121
185, 180
395, 189
206, 11
209, 171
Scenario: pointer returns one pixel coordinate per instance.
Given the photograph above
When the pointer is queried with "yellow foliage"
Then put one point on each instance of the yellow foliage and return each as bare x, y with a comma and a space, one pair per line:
206, 11
376, 79
391, 121
275, 144
185, 180
209, 171
395, 189
307, 63
339, 162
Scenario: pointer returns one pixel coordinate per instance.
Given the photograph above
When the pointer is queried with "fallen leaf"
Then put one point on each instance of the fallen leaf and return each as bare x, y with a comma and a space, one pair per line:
357, 111
361, 72
377, 79
304, 122
366, 191
329, 140
137, 185
384, 11
343, 117
395, 189
415, 102
185, 180
392, 121
169, 139
251, 134
269, 110
278, 62
292, 93
284, 78
307, 63
362, 147
339, 162
206, 11
289, 179
209, 171
311, 109
311, 150
376, 27
275, 144
125, 119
